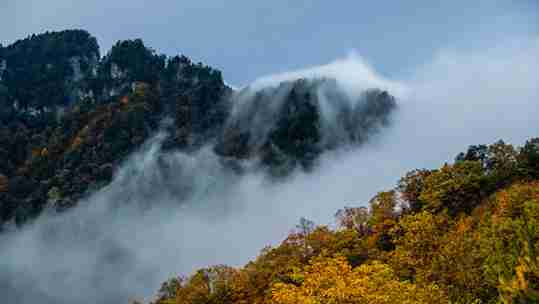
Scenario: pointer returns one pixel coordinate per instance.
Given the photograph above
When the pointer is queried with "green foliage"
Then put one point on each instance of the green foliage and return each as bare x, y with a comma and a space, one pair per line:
55, 148
410, 187
39, 66
455, 188
529, 159
140, 62
509, 242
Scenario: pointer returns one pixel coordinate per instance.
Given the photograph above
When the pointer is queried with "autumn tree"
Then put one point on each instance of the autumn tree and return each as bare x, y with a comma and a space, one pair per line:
333, 280
411, 186
354, 218
417, 238
211, 285
529, 159
455, 188
510, 244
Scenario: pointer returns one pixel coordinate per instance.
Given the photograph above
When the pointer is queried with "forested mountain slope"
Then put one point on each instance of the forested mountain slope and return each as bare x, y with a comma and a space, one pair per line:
466, 232
68, 117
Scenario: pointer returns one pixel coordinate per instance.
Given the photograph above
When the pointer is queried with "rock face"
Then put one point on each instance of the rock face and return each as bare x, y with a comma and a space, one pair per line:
69, 118
3, 68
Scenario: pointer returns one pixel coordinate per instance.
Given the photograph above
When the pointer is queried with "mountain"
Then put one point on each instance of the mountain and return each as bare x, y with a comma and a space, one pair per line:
466, 232
293, 123
69, 118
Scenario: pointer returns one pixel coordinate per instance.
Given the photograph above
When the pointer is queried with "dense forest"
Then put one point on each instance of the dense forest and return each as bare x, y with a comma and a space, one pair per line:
466, 232
69, 118
56, 148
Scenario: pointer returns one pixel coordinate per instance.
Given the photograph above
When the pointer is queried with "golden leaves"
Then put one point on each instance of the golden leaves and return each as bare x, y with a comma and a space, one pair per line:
334, 281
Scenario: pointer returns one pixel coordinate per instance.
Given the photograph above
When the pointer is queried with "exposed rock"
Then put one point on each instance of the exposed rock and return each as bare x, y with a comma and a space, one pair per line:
117, 73
3, 68
75, 66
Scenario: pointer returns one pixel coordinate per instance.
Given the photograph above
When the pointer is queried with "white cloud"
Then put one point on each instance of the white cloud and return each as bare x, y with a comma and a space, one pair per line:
352, 72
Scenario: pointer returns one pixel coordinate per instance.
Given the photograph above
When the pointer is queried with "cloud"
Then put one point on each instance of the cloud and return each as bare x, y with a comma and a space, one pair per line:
124, 240
352, 72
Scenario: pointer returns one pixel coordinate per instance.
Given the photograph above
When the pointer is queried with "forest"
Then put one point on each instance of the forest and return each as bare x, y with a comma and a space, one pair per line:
466, 232
63, 135
60, 149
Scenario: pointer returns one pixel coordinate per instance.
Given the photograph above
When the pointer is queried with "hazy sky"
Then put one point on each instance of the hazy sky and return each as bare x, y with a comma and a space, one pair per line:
249, 39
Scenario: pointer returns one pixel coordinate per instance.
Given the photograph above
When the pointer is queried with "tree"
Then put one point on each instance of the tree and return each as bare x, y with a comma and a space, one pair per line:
333, 280
474, 153
529, 159
354, 218
418, 239
305, 226
383, 207
510, 244
211, 285
411, 186
456, 188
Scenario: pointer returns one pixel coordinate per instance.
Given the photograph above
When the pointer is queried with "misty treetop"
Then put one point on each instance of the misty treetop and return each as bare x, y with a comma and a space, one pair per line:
294, 122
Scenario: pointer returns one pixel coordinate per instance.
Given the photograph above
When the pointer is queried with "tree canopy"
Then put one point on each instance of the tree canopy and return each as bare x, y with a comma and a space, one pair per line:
464, 233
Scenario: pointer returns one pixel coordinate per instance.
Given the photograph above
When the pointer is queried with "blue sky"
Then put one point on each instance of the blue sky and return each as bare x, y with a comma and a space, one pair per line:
249, 39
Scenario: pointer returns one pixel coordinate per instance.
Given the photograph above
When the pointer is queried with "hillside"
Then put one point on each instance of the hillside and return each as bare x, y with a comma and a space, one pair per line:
464, 233
57, 148
69, 118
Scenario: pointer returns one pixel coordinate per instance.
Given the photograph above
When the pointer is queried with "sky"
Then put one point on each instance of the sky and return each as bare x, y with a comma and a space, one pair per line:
249, 39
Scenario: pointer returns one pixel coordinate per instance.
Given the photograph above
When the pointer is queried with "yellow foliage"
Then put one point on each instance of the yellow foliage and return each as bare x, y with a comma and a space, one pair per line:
417, 239
334, 281
415, 256
516, 232
76, 142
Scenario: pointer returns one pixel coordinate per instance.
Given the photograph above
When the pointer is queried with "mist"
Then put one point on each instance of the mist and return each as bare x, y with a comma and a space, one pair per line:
168, 213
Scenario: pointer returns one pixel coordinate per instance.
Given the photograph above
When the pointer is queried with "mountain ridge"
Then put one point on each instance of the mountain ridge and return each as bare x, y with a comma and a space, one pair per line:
69, 117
